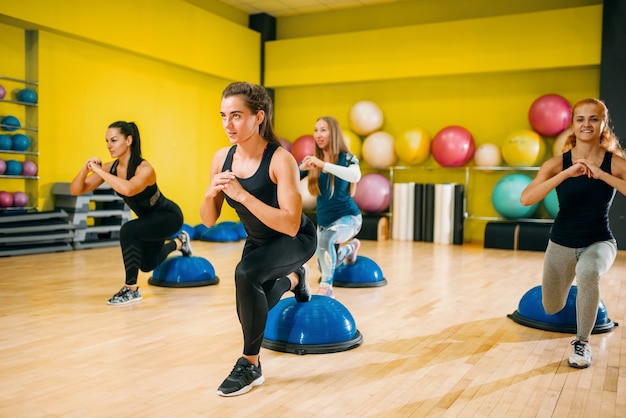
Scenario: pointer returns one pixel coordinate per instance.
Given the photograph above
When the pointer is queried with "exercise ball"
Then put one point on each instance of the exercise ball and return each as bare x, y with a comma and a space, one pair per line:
14, 168
178, 271
27, 96
353, 142
5, 142
322, 325
29, 168
413, 146
6, 199
20, 142
365, 272
373, 192
378, 150
560, 140
198, 230
10, 123
285, 144
309, 202
190, 230
3, 92
487, 155
506, 194
303, 146
3, 166
366, 117
453, 146
551, 203
523, 148
530, 313
20, 199
550, 114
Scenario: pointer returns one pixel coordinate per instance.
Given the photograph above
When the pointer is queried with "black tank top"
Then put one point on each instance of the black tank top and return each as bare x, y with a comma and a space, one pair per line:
144, 202
261, 186
584, 205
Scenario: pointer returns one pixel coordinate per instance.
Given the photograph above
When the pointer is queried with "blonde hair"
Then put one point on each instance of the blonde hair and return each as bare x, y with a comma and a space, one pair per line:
336, 146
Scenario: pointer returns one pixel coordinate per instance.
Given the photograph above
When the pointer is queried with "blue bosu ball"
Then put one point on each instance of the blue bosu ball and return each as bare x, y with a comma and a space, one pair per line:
181, 271
363, 273
191, 231
530, 312
322, 325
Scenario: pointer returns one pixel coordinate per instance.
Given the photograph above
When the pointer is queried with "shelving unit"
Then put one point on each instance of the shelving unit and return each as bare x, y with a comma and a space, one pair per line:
28, 119
97, 216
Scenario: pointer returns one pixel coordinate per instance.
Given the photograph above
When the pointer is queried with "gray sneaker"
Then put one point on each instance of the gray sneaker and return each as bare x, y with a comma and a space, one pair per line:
186, 247
125, 296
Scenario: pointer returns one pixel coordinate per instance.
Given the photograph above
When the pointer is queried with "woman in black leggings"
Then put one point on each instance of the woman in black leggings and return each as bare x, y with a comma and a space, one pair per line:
143, 240
259, 179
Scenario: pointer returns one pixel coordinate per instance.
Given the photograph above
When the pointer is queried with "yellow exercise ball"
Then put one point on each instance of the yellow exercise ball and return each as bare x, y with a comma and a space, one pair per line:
378, 150
523, 148
487, 155
353, 142
366, 117
413, 146
559, 142
309, 202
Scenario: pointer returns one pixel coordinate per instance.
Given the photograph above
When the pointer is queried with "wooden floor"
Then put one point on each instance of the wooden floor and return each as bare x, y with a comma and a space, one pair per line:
437, 342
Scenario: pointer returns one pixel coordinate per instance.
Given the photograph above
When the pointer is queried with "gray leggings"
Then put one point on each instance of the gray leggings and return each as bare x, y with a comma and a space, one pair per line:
561, 265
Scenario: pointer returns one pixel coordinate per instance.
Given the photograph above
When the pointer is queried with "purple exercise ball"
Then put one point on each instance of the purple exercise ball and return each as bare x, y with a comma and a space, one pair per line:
373, 193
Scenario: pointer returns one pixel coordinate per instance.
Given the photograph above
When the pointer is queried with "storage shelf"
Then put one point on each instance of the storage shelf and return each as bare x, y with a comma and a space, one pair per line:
18, 80
17, 102
3, 176
21, 128
11, 151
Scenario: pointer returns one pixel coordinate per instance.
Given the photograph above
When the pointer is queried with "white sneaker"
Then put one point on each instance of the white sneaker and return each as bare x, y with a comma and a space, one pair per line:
581, 357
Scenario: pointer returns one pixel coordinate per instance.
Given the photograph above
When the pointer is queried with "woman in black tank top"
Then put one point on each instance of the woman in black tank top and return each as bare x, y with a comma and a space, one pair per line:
143, 240
259, 179
581, 244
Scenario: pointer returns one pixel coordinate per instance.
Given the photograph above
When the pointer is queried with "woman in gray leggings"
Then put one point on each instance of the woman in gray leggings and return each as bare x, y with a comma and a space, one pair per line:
581, 244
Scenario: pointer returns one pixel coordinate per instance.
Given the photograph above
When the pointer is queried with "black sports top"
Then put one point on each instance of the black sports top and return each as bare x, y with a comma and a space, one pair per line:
144, 202
584, 205
261, 186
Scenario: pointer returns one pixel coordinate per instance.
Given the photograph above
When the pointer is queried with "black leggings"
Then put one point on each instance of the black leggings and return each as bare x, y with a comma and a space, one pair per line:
260, 279
143, 240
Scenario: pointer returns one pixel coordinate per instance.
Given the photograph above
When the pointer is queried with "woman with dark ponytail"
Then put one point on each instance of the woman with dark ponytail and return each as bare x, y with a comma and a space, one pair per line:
143, 240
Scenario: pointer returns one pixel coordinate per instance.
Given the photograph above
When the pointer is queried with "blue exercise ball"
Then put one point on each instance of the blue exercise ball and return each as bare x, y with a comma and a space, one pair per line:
27, 96
322, 325
551, 203
5, 142
365, 272
530, 312
14, 168
506, 194
220, 233
10, 123
191, 231
20, 142
178, 271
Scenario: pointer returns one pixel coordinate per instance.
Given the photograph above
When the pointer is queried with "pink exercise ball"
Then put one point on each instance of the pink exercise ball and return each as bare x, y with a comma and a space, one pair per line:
20, 199
3, 166
379, 151
303, 146
550, 114
365, 117
373, 193
29, 168
6, 199
453, 146
285, 144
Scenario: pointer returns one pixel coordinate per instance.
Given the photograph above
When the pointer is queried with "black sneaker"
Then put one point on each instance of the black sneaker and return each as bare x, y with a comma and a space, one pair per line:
241, 380
302, 292
125, 296
186, 241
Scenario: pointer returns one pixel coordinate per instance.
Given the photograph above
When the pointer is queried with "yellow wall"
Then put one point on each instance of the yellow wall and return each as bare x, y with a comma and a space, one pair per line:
162, 64
481, 73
